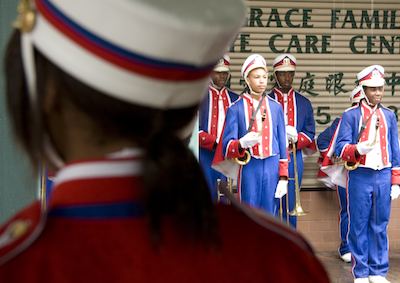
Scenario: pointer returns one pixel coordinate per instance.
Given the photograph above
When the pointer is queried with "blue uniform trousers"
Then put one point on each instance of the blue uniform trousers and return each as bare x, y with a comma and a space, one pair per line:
369, 212
205, 159
343, 220
259, 179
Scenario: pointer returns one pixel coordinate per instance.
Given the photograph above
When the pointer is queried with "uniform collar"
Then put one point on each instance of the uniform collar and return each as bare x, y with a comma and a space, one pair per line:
111, 179
216, 89
368, 106
278, 91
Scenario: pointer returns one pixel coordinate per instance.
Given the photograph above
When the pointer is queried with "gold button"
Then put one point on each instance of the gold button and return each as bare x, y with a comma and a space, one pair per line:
26, 18
19, 229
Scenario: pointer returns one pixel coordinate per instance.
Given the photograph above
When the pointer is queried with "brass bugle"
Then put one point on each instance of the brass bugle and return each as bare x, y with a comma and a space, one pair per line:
244, 159
351, 165
354, 165
297, 210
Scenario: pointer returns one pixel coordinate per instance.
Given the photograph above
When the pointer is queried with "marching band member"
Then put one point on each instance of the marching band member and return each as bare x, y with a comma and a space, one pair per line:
211, 121
255, 124
367, 133
323, 142
100, 92
299, 121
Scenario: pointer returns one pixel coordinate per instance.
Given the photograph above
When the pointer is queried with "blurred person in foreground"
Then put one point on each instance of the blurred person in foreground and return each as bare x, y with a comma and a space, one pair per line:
100, 92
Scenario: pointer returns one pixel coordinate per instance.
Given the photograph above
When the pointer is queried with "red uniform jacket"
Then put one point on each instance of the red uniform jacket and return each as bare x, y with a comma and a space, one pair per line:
95, 231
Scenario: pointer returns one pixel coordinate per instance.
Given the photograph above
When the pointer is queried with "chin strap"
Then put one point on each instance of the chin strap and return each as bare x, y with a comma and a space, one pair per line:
28, 61
217, 87
366, 98
51, 153
256, 93
214, 85
277, 82
252, 91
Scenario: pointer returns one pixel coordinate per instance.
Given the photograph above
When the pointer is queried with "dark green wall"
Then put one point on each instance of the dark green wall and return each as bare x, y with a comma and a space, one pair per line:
17, 185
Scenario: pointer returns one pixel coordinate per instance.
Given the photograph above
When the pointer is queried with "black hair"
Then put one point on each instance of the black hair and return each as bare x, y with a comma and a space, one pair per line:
173, 182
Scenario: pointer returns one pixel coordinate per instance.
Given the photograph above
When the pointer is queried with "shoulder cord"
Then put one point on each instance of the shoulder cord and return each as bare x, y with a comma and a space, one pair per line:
253, 117
365, 123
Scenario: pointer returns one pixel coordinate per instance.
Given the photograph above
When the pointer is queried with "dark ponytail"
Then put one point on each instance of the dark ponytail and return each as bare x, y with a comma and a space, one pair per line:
175, 184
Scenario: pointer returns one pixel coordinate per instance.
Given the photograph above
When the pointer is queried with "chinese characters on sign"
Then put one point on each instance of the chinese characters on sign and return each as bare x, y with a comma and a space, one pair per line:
333, 84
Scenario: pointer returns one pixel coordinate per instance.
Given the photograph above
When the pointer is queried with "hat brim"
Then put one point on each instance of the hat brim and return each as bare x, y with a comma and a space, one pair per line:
221, 69
285, 69
374, 83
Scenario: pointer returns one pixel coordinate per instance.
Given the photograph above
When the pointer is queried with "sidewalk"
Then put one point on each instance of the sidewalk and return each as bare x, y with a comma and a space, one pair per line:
340, 272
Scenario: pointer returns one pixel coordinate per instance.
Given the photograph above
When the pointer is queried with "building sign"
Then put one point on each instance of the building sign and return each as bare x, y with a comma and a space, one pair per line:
332, 42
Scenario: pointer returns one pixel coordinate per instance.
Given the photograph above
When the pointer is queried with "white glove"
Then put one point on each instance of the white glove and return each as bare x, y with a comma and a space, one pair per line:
281, 188
291, 132
363, 148
395, 192
250, 139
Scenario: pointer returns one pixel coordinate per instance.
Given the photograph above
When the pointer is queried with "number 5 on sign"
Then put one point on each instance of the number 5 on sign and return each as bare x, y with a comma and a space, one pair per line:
320, 113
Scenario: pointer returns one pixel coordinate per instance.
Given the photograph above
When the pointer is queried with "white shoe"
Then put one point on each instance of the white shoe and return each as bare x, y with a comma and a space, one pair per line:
346, 257
361, 280
377, 279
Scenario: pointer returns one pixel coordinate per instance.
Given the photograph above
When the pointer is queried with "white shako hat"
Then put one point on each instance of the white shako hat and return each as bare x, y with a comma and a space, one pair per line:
223, 64
153, 53
284, 62
372, 76
357, 94
252, 62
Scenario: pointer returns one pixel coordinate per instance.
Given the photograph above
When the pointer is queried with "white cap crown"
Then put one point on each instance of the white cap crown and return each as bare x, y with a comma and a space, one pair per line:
357, 94
252, 62
284, 62
372, 76
223, 64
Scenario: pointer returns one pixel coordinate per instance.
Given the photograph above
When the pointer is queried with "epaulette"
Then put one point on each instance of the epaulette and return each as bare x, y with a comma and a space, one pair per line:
237, 100
231, 92
21, 231
300, 94
352, 107
272, 99
385, 107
